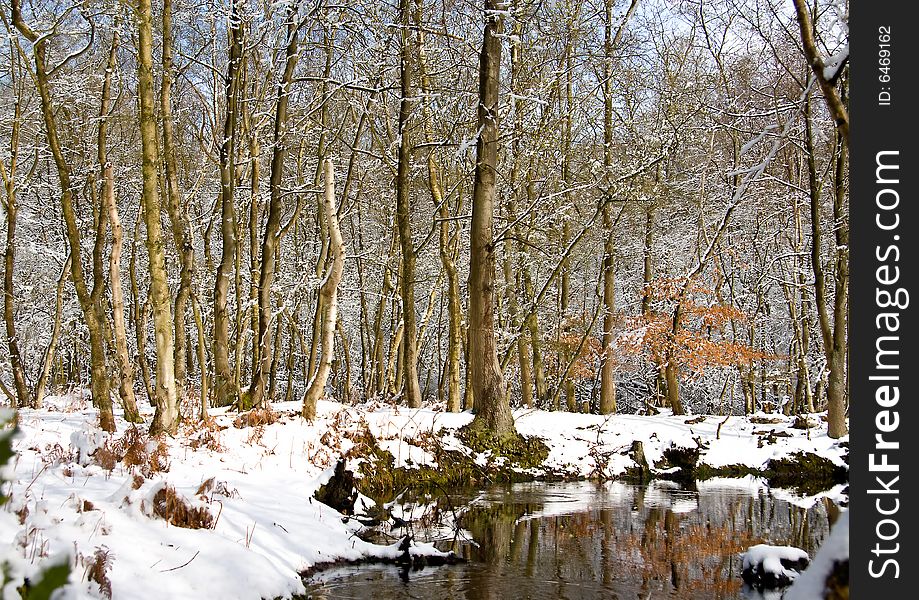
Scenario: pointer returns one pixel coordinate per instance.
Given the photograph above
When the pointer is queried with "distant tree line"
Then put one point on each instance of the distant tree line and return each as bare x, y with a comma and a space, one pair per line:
598, 205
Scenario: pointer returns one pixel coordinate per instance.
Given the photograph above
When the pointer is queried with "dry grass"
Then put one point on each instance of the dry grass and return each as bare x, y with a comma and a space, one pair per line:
172, 508
255, 436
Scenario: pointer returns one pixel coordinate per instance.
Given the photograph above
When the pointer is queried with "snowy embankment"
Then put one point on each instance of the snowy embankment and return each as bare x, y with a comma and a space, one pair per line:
107, 501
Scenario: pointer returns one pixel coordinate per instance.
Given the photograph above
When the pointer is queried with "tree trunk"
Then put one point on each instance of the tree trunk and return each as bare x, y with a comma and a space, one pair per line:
513, 314
202, 357
837, 383
492, 412
109, 205
833, 332
224, 381
347, 392
271, 236
532, 329
660, 384
253, 226
671, 376
447, 241
411, 388
671, 368
377, 360
607, 362
513, 251
393, 362
564, 350
174, 204
166, 418
48, 356
22, 397
139, 315
329, 291
92, 313
835, 101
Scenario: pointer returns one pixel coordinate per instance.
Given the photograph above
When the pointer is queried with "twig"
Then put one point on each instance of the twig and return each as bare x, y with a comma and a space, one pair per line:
180, 566
219, 511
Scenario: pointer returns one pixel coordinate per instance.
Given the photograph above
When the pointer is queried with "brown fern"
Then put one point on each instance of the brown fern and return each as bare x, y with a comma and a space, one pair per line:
172, 508
97, 571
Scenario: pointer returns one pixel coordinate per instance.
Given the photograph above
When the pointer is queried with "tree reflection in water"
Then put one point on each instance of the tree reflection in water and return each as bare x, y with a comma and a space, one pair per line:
613, 541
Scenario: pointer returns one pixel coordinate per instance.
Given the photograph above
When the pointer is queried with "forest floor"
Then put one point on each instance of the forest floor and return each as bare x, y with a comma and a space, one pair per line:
225, 509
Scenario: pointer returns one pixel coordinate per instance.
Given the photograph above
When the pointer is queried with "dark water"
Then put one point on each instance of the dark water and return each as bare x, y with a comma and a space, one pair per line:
583, 540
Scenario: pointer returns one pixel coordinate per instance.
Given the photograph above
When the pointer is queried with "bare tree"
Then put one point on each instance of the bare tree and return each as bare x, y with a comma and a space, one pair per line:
224, 382
607, 365
272, 235
826, 74
11, 205
166, 418
109, 205
492, 412
90, 302
411, 389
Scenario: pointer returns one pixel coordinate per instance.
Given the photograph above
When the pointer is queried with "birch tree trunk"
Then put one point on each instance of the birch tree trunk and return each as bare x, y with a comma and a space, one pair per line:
329, 291
11, 204
48, 356
139, 314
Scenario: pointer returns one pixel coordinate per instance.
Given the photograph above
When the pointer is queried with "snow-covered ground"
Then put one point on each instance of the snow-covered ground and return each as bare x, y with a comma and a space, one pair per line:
257, 484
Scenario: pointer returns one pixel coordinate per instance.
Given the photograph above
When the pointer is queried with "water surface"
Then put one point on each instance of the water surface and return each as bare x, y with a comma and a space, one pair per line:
583, 540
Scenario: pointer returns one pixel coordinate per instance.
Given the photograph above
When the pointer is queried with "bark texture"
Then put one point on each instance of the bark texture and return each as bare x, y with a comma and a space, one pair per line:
492, 411
329, 292
166, 416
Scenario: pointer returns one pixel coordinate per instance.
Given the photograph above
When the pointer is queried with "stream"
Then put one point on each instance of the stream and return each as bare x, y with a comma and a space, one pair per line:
586, 540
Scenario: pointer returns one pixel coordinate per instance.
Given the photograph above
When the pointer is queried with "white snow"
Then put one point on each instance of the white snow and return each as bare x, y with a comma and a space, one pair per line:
268, 527
770, 558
